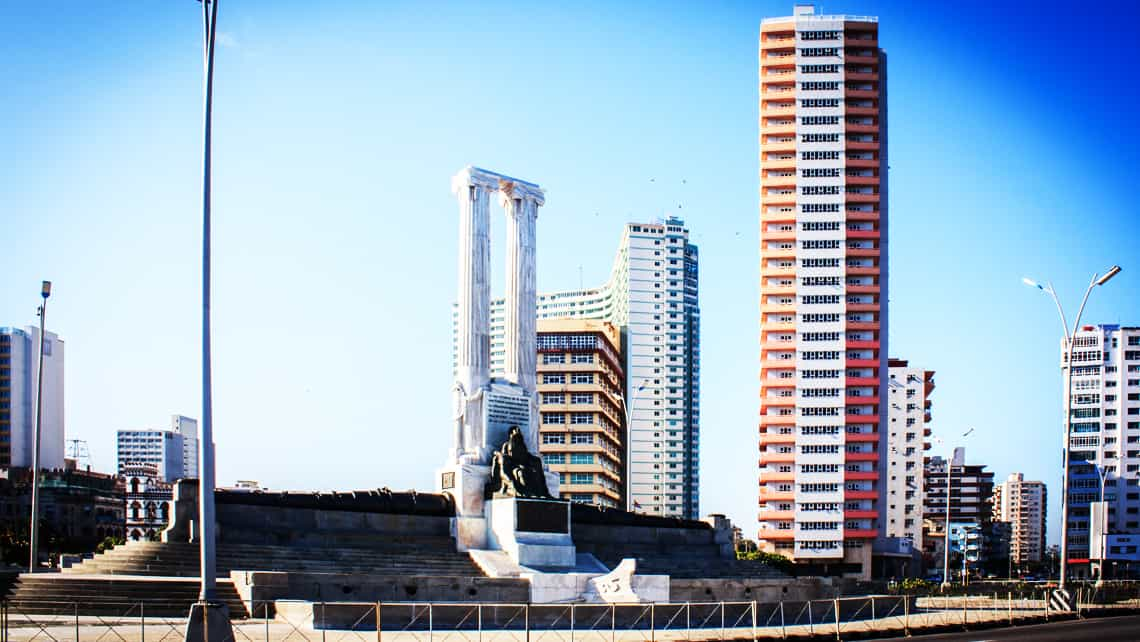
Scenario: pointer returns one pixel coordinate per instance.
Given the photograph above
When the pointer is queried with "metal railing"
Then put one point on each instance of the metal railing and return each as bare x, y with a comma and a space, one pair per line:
283, 620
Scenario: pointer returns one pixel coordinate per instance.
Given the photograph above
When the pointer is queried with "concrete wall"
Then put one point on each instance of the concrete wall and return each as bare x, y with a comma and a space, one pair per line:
261, 586
745, 590
245, 524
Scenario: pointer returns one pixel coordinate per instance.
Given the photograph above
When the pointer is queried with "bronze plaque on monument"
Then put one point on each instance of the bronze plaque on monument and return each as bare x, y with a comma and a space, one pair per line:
537, 516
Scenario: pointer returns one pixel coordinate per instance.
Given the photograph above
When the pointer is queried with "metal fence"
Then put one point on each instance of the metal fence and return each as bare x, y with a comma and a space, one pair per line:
281, 621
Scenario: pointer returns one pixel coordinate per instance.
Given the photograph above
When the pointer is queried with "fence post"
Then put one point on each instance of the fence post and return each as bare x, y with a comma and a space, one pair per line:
837, 619
77, 622
613, 622
965, 619
479, 620
688, 621
1046, 595
431, 623
906, 614
783, 627
571, 622
722, 620
379, 625
265, 614
872, 609
142, 623
1010, 603
323, 621
652, 629
811, 627
526, 620
753, 620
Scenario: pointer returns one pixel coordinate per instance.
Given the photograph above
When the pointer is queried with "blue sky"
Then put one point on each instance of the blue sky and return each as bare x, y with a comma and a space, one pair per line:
1013, 151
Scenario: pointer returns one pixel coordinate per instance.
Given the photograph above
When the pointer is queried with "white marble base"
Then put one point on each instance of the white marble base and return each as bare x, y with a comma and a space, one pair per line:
465, 483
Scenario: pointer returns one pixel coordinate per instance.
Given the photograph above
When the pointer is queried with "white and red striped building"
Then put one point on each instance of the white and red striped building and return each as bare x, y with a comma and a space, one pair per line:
823, 285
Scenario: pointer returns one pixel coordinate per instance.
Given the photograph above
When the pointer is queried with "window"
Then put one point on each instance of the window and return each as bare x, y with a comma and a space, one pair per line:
553, 398
582, 438
820, 138
819, 102
553, 377
820, 120
581, 358
817, 208
819, 155
582, 458
548, 358
582, 397
582, 377
819, 190
581, 478
819, 35
817, 85
816, 52
819, 69
554, 458
549, 419
557, 438
580, 418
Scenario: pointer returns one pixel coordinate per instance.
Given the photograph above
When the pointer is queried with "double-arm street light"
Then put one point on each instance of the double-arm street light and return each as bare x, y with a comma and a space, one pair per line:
946, 544
1067, 365
34, 529
625, 404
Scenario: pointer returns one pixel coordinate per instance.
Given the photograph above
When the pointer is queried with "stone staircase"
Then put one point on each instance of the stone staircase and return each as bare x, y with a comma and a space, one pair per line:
123, 596
392, 556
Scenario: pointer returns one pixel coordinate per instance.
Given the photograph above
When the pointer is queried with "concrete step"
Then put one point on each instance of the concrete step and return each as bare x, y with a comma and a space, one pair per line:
59, 594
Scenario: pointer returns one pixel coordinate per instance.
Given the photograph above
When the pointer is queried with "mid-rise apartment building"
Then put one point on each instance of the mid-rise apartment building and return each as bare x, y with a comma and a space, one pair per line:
19, 370
1022, 505
1105, 438
971, 493
823, 288
172, 453
582, 409
908, 425
652, 297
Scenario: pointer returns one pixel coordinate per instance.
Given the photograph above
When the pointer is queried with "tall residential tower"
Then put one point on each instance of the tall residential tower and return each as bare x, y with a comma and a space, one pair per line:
651, 296
823, 286
19, 370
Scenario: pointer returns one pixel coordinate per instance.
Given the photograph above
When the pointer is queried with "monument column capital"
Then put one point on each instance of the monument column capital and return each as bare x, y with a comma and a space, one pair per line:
510, 191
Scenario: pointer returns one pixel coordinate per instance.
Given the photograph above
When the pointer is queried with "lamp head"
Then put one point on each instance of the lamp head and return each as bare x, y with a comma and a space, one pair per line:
1031, 283
1112, 271
45, 291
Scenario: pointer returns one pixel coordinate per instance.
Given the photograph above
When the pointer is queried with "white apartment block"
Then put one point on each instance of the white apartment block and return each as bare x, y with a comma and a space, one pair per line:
165, 450
1105, 438
652, 296
1022, 505
908, 424
19, 370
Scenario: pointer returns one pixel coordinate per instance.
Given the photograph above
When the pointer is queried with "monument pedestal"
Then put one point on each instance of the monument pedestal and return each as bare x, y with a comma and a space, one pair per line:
534, 532
465, 484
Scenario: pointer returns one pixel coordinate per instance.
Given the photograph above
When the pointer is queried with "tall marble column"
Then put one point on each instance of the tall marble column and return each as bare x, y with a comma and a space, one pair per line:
521, 202
473, 349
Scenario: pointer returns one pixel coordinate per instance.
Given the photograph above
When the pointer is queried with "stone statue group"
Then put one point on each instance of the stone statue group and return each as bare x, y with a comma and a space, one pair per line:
515, 472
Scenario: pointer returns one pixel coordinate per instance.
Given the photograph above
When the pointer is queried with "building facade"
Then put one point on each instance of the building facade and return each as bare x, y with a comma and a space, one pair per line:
971, 494
1022, 505
651, 296
581, 409
1105, 441
147, 500
173, 453
19, 369
823, 286
908, 426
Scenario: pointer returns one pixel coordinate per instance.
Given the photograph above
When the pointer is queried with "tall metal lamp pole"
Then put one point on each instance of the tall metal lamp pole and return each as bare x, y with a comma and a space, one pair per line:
1070, 339
206, 437
34, 534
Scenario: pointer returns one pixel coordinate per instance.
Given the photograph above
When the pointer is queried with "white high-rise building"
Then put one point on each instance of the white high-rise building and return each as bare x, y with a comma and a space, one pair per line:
652, 296
19, 369
908, 414
1105, 439
173, 453
1022, 504
188, 428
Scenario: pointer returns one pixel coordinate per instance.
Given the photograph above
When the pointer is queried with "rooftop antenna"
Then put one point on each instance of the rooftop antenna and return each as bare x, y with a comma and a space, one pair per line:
77, 450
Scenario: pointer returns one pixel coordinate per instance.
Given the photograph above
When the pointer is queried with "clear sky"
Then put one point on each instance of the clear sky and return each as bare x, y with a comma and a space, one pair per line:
1014, 150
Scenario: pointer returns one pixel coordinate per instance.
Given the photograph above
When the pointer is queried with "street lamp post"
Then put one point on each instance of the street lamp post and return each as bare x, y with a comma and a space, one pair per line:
1102, 471
1070, 339
946, 544
206, 437
629, 427
34, 529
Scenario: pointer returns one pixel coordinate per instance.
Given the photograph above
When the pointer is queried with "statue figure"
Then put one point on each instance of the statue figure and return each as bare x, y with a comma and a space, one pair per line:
516, 472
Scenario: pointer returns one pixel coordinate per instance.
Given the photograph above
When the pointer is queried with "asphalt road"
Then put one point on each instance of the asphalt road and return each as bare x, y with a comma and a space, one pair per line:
1108, 629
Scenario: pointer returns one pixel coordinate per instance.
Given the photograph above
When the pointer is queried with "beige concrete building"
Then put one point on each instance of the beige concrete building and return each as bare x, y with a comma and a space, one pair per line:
1022, 504
908, 413
581, 409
